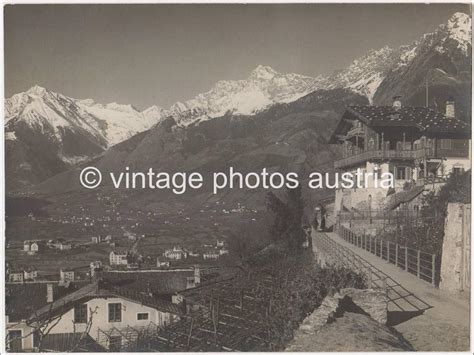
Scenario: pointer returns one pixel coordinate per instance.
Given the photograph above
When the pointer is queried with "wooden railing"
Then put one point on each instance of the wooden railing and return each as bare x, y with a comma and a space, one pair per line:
384, 154
416, 262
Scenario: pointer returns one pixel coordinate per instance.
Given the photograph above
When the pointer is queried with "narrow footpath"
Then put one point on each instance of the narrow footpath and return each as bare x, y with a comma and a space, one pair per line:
442, 327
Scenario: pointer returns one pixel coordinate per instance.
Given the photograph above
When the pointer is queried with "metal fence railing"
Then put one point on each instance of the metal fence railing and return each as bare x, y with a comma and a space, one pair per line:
388, 217
339, 255
416, 262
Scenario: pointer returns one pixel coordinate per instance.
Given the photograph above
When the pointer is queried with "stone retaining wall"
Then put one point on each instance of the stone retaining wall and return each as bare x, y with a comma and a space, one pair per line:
369, 302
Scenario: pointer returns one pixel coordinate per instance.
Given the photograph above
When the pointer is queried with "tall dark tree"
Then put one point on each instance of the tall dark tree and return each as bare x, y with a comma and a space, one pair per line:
287, 218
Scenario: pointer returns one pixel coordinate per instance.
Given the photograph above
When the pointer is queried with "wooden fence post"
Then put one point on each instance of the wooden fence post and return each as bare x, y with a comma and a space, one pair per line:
433, 270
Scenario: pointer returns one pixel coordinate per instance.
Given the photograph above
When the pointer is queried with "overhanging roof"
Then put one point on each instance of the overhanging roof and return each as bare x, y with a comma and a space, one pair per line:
423, 119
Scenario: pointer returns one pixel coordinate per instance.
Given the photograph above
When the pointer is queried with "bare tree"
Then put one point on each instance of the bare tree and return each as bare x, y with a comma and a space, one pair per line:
42, 325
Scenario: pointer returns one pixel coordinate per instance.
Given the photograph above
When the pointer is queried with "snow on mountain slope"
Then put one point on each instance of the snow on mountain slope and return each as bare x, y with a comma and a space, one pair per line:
442, 58
108, 124
459, 29
365, 74
47, 132
47, 112
121, 121
263, 88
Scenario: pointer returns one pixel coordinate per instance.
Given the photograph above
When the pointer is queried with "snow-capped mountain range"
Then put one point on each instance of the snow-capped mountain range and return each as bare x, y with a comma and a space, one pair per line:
79, 129
49, 111
265, 86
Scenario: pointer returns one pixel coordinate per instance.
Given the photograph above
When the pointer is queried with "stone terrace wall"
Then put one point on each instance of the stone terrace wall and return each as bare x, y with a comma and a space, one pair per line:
351, 320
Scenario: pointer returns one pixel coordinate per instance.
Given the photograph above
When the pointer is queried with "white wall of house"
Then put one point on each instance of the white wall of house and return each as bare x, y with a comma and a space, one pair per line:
16, 277
118, 259
26, 333
100, 320
358, 198
451, 163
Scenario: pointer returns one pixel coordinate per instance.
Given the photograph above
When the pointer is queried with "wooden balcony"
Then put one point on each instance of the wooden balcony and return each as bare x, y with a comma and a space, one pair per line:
381, 155
356, 131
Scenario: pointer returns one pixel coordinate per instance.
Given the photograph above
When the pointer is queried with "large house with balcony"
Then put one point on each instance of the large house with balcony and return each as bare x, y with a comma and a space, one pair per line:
419, 146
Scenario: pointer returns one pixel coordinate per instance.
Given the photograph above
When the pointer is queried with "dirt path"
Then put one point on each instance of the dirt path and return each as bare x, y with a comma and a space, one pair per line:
444, 327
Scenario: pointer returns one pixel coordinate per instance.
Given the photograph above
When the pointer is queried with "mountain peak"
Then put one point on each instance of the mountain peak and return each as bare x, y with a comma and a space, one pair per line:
459, 17
153, 108
459, 26
87, 102
37, 90
121, 107
264, 72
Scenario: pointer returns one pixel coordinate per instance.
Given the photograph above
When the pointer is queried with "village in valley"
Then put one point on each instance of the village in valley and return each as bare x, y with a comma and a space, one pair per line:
127, 249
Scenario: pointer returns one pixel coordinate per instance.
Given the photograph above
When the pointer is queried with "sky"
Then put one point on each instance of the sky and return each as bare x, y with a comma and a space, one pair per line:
158, 54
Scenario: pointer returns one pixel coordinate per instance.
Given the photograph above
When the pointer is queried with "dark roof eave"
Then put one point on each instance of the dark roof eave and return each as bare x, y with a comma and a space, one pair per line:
53, 310
333, 139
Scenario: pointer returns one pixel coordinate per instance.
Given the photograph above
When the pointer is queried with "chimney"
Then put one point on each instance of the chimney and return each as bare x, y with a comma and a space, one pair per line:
397, 103
197, 275
49, 293
177, 298
450, 113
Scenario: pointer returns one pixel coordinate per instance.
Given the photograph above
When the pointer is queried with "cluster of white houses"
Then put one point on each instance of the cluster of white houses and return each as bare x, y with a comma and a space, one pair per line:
419, 146
212, 252
34, 246
30, 273
121, 256
176, 253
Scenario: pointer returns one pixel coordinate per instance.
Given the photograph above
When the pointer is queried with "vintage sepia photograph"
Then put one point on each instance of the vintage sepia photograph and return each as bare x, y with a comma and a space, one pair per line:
237, 177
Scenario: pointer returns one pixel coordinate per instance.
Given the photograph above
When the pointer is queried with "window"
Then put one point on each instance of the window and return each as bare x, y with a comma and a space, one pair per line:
445, 143
401, 173
371, 144
459, 143
15, 340
115, 341
80, 313
115, 312
457, 170
142, 316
